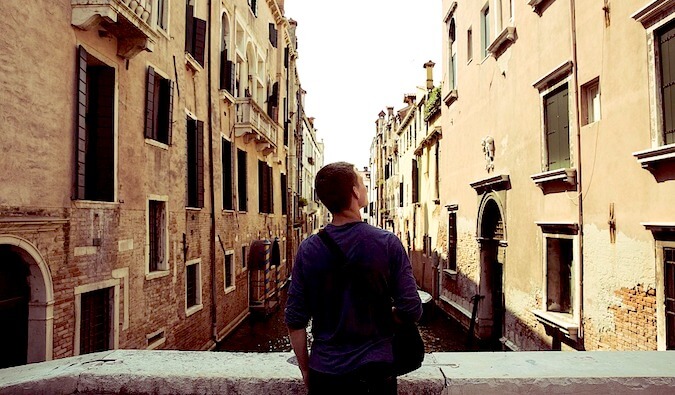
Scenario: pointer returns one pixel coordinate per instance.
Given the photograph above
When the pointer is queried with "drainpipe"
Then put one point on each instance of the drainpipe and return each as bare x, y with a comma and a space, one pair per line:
580, 199
212, 252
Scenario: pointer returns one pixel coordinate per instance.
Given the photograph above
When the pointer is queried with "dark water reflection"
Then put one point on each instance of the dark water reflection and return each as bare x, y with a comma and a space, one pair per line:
257, 334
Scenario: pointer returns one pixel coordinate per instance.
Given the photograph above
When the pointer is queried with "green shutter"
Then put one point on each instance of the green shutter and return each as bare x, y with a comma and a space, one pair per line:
556, 116
667, 59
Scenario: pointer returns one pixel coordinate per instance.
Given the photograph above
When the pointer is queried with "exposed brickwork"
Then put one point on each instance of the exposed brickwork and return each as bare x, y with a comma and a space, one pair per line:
633, 326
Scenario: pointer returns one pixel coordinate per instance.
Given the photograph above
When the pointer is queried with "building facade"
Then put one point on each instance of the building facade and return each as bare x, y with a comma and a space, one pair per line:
557, 173
146, 186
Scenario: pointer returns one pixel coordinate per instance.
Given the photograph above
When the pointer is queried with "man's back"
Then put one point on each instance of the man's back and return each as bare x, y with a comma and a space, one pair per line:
350, 303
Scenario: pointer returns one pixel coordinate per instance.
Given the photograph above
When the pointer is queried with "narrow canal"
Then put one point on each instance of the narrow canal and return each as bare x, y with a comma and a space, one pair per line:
259, 334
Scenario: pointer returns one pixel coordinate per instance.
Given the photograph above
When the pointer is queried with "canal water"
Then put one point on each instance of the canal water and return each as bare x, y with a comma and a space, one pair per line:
269, 334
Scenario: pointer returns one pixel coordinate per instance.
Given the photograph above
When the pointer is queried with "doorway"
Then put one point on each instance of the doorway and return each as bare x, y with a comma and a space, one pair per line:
14, 297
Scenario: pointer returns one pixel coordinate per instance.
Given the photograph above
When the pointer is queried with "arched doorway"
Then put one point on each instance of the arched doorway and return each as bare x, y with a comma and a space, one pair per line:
492, 238
14, 297
27, 301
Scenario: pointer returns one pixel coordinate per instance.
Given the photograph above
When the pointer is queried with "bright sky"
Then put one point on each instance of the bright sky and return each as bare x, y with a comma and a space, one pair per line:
357, 57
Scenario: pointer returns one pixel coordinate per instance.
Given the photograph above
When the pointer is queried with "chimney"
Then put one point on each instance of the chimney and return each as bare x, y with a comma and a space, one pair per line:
381, 114
390, 111
311, 121
430, 74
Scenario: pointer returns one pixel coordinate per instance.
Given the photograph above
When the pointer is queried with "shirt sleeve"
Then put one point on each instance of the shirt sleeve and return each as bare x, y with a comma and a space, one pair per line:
296, 313
406, 299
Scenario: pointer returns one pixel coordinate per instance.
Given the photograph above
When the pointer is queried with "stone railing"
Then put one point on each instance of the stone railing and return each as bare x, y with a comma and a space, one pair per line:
194, 372
252, 123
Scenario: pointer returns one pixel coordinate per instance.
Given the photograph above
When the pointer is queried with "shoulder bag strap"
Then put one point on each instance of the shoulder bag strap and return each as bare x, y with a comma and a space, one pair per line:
332, 246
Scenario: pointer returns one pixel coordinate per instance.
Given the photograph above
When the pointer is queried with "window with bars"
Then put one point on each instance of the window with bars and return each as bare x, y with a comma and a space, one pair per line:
228, 193
229, 270
95, 321
195, 163
669, 281
559, 281
666, 42
452, 241
556, 128
157, 260
192, 284
158, 107
242, 180
95, 130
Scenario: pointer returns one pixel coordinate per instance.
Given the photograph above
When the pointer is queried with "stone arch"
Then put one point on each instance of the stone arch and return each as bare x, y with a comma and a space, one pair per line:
41, 303
491, 224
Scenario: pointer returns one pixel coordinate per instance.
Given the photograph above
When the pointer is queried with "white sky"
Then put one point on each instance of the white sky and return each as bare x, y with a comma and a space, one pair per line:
357, 57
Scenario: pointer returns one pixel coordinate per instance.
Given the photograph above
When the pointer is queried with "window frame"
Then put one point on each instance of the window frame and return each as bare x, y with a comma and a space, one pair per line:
227, 188
588, 105
190, 310
163, 268
163, 25
485, 30
113, 284
233, 275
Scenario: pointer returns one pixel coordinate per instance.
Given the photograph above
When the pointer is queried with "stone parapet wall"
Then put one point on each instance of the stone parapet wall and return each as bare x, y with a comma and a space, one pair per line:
192, 372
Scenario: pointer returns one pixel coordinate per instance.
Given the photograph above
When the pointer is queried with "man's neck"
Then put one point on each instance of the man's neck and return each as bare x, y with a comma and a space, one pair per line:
346, 217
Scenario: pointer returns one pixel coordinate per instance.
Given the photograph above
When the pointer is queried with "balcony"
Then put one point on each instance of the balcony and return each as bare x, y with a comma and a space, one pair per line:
195, 372
128, 20
253, 124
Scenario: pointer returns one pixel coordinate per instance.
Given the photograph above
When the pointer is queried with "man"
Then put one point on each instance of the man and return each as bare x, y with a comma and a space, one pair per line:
351, 304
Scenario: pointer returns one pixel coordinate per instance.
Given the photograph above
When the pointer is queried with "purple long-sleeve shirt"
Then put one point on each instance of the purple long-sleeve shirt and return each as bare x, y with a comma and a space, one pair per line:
350, 305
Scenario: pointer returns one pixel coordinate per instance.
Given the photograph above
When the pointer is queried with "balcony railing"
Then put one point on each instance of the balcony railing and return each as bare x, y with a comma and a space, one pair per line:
131, 21
252, 123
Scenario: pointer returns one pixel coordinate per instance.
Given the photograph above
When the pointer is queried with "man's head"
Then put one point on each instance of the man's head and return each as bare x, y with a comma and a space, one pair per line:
337, 184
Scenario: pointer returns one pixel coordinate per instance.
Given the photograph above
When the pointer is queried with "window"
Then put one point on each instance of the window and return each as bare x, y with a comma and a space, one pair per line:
227, 70
273, 34
96, 320
485, 30
243, 257
669, 271
158, 107
556, 129
162, 13
193, 286
195, 163
157, 236
452, 53
253, 4
284, 193
400, 194
195, 34
265, 188
95, 130
227, 175
559, 279
469, 45
242, 180
590, 106
667, 60
452, 241
229, 270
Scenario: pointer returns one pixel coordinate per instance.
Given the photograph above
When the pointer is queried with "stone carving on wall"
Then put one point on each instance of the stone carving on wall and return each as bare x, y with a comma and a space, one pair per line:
488, 144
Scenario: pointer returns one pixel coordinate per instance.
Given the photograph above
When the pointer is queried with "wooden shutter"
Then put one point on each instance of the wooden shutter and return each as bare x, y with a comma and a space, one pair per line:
100, 155
286, 53
452, 241
261, 189
189, 29
273, 34
415, 181
199, 40
81, 124
557, 129
169, 114
270, 194
226, 157
242, 180
667, 60
400, 194
200, 164
150, 104
284, 193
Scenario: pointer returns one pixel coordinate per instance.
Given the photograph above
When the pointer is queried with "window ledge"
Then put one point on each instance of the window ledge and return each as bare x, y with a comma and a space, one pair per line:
193, 309
561, 321
230, 289
192, 63
157, 274
157, 144
450, 273
226, 96
95, 204
188, 208
450, 98
228, 210
651, 158
502, 41
567, 176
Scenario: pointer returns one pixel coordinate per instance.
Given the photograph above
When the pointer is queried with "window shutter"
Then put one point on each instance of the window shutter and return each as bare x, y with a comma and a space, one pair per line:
273, 34
284, 197
261, 189
169, 126
667, 60
557, 130
286, 53
223, 70
200, 164
226, 158
81, 124
415, 182
270, 194
242, 179
150, 104
189, 29
199, 40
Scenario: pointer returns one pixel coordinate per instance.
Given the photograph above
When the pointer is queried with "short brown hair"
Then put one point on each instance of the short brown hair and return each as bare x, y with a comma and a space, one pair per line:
334, 185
